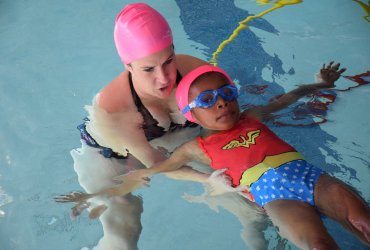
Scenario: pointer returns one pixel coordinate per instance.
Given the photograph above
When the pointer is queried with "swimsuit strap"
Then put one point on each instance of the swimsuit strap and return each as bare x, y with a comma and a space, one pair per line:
178, 77
150, 124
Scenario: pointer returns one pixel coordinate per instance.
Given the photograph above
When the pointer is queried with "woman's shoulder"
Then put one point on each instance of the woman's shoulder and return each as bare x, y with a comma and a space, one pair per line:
186, 63
114, 97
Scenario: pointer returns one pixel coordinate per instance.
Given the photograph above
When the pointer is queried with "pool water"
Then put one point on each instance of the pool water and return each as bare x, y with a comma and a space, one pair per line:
55, 56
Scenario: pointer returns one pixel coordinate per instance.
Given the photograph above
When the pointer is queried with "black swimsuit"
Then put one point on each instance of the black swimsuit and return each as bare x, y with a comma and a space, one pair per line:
150, 125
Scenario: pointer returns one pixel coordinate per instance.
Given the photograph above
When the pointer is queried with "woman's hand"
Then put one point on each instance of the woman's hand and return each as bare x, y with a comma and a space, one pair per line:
329, 74
219, 183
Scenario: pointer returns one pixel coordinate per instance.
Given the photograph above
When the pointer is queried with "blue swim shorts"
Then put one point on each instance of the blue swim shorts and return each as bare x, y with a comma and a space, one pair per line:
294, 180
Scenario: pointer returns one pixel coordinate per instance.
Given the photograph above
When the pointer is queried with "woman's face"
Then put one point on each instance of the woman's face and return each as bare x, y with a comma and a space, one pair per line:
221, 116
154, 76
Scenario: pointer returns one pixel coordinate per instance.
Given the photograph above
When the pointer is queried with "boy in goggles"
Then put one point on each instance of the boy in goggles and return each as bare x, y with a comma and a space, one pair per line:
271, 172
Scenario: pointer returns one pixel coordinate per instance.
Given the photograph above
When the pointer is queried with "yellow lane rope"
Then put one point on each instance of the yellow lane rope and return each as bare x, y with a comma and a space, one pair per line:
242, 25
366, 8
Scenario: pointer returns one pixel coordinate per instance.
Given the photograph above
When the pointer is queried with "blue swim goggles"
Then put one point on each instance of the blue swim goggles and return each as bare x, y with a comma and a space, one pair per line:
208, 98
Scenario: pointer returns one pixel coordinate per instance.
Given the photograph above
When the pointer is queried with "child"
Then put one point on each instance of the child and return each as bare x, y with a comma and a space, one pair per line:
292, 192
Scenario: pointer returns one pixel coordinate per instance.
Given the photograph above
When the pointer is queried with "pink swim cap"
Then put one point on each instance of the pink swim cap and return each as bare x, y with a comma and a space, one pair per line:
182, 91
140, 31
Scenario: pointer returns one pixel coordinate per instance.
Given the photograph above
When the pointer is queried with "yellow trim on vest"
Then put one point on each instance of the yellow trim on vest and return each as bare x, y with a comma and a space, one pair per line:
273, 161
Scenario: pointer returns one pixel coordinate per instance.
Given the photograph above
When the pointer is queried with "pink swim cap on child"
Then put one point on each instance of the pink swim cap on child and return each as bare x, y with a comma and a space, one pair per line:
182, 91
140, 31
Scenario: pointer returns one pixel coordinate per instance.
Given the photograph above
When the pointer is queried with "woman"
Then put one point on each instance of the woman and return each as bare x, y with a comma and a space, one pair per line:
144, 91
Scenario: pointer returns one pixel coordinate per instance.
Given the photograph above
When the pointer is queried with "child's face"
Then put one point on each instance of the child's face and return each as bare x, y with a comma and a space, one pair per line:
223, 115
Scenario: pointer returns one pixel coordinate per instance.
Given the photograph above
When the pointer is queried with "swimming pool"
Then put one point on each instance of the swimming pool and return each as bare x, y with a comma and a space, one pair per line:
56, 56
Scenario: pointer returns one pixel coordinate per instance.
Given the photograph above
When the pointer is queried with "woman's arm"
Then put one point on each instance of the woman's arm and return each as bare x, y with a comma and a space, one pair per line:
122, 132
116, 123
328, 76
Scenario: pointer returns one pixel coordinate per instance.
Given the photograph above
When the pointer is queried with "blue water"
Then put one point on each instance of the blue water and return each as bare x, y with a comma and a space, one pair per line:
55, 56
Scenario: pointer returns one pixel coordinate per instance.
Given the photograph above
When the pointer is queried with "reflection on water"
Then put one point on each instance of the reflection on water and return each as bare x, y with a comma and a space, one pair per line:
121, 221
4, 199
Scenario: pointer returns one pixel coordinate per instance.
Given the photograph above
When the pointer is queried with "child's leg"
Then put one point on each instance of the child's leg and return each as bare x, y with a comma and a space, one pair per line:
300, 223
339, 202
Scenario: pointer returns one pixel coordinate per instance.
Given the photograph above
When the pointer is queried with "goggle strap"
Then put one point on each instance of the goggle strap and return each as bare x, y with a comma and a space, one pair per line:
186, 109
192, 105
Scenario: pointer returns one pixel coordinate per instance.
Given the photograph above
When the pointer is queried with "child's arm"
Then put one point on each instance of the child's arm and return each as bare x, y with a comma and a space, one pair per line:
328, 76
187, 152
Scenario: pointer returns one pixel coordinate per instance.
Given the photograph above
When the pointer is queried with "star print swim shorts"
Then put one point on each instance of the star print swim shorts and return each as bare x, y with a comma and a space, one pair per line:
294, 180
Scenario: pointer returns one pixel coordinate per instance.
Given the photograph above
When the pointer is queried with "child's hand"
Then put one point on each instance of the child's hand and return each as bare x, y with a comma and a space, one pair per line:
329, 74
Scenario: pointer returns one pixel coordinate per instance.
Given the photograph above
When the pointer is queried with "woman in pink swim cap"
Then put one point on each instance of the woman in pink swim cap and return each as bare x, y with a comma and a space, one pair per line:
144, 42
